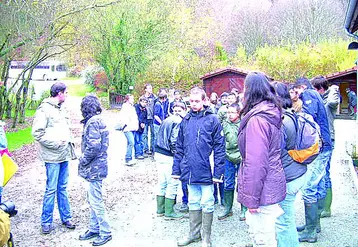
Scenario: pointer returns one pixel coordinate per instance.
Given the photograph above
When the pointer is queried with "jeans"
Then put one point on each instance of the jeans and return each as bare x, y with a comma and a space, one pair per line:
130, 143
184, 188
149, 125
167, 186
286, 233
156, 130
56, 183
262, 225
138, 144
219, 188
201, 197
230, 175
98, 217
315, 187
327, 178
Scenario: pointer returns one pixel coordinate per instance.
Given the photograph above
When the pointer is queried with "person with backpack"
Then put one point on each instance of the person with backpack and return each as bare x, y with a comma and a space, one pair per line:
331, 98
295, 172
314, 191
261, 179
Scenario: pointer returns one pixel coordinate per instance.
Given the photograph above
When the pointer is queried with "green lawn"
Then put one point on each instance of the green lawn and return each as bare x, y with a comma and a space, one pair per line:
80, 90
30, 113
16, 140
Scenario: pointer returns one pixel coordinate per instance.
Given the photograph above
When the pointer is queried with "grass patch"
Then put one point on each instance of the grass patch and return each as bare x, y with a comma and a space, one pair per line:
16, 140
70, 78
30, 113
80, 90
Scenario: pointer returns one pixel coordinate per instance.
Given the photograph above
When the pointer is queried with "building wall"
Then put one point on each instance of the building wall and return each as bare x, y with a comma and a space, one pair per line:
224, 83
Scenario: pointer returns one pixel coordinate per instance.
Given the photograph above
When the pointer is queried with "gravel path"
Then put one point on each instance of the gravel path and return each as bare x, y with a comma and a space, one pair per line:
129, 194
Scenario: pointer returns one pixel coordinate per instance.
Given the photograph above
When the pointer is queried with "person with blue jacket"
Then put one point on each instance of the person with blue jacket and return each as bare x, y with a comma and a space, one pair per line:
200, 134
314, 191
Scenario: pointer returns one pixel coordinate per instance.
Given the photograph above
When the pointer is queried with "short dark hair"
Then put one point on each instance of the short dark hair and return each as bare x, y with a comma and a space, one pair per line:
320, 82
224, 94
90, 106
303, 81
147, 85
238, 107
56, 88
179, 104
177, 92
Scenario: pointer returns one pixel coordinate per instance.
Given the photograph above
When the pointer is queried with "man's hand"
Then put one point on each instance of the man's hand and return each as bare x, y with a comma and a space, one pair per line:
217, 181
142, 125
254, 210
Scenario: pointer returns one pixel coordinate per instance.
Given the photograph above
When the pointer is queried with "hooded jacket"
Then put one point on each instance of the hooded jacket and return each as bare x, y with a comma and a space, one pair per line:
93, 161
51, 129
128, 118
200, 133
331, 101
231, 145
261, 179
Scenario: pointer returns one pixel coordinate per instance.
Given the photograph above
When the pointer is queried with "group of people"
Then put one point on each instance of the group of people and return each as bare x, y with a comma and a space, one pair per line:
244, 137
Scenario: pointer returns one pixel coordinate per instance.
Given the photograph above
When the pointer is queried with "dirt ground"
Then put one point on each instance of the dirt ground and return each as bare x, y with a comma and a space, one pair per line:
129, 194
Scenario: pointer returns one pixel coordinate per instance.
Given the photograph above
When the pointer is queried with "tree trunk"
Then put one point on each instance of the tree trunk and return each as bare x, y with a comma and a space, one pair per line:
25, 93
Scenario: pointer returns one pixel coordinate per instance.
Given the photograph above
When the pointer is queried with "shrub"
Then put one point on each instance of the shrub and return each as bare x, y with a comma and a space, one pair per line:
101, 81
90, 73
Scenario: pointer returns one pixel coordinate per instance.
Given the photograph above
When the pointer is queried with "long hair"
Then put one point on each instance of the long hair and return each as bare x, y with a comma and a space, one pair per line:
90, 106
258, 89
283, 94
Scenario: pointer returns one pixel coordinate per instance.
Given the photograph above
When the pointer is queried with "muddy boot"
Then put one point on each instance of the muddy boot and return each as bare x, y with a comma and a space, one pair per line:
170, 214
243, 213
229, 199
309, 234
327, 204
207, 222
195, 220
320, 210
160, 206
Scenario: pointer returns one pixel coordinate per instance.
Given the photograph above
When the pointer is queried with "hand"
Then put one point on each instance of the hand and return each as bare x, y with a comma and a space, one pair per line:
217, 181
254, 210
142, 125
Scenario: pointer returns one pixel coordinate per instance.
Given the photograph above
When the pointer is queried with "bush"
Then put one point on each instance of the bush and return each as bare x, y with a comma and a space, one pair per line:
101, 81
90, 74
75, 71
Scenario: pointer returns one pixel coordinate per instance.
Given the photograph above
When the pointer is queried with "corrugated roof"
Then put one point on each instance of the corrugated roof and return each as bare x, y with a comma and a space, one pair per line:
224, 70
341, 73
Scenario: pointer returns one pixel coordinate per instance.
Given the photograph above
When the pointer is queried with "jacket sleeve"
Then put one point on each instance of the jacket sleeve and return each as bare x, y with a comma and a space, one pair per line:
92, 144
333, 98
173, 137
39, 130
256, 159
219, 150
179, 151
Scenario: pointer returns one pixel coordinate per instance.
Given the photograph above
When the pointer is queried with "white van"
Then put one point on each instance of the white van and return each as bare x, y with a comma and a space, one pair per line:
47, 70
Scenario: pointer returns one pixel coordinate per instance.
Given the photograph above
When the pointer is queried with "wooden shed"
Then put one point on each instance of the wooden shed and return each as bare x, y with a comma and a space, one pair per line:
223, 80
344, 79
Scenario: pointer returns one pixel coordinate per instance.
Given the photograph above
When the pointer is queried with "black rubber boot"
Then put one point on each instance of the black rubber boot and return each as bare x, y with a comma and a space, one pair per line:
229, 199
309, 234
160, 206
195, 220
207, 222
320, 210
170, 214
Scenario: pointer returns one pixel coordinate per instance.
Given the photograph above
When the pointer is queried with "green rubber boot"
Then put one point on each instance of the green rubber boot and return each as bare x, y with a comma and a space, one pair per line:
309, 234
170, 214
228, 199
160, 206
243, 213
327, 204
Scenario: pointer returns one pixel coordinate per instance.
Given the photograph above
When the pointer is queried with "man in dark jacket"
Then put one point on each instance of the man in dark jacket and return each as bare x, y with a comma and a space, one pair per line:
94, 168
164, 152
352, 101
142, 114
149, 128
314, 192
200, 134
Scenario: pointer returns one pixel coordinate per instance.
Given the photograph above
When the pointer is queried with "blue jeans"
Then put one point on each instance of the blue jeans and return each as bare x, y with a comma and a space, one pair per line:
130, 144
327, 178
57, 179
98, 217
201, 197
286, 233
315, 187
138, 144
145, 136
156, 130
230, 175
184, 188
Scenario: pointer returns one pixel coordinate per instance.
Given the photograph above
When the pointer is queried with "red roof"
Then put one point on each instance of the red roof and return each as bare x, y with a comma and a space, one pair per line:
224, 70
342, 73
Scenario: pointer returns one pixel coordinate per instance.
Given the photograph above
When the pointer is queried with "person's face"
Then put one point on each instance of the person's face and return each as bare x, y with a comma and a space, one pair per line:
232, 114
196, 102
149, 89
179, 111
320, 91
224, 100
299, 90
231, 99
62, 96
143, 103
293, 94
177, 96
